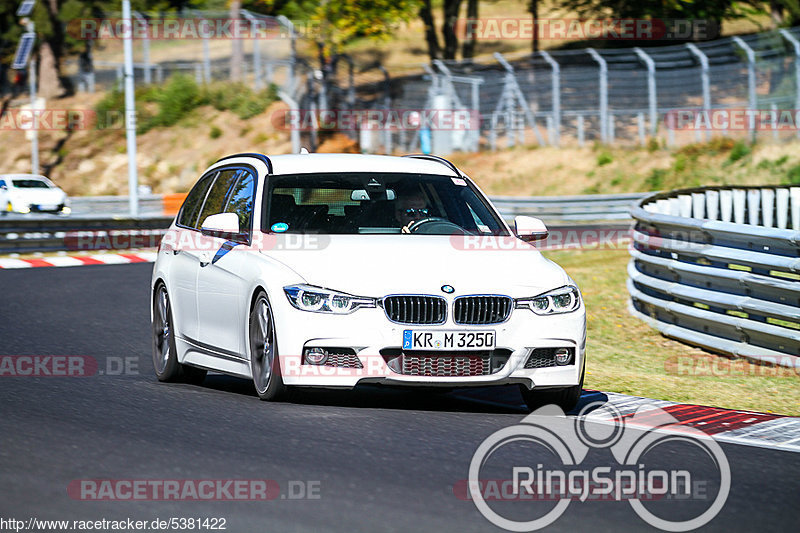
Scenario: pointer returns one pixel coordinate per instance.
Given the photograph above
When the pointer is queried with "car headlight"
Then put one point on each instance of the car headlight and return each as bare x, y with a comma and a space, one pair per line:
562, 300
319, 300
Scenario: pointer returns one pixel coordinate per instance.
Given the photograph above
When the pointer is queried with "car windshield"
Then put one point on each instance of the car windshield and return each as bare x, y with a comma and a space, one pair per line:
370, 203
30, 184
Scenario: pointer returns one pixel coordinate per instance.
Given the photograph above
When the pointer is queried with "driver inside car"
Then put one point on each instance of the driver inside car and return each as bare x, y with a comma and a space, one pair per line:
410, 208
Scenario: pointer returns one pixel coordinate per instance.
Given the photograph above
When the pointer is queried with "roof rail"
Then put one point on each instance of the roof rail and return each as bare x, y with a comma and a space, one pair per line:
260, 157
438, 159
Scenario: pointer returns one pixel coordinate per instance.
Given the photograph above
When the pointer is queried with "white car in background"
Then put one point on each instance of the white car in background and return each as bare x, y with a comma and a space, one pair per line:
330, 270
31, 193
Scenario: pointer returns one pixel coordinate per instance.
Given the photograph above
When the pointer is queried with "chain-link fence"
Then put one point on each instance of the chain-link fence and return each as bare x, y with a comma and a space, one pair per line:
738, 86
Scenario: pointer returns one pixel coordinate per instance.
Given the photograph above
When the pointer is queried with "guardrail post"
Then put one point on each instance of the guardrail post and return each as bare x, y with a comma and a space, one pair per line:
712, 205
796, 45
751, 83
556, 96
704, 79
753, 204
782, 207
603, 77
794, 192
651, 88
767, 207
726, 205
739, 197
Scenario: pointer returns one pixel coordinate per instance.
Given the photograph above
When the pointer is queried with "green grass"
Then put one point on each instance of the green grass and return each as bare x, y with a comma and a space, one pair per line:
626, 355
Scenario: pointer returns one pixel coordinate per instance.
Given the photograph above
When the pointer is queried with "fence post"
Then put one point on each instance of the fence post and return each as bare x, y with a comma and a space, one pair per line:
293, 51
603, 92
145, 47
704, 77
651, 87
556, 90
511, 93
581, 132
751, 83
796, 45
255, 25
640, 125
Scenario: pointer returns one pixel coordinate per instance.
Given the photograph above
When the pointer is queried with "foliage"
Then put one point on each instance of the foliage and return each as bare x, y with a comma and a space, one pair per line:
166, 105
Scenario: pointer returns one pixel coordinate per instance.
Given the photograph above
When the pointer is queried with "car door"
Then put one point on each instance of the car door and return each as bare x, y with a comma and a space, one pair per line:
221, 289
182, 245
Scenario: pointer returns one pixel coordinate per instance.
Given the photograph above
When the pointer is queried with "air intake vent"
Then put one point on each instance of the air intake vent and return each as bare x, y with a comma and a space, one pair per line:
482, 309
407, 309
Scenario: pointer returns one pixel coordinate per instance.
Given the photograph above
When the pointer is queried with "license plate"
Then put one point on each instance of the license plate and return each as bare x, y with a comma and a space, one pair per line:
47, 207
417, 339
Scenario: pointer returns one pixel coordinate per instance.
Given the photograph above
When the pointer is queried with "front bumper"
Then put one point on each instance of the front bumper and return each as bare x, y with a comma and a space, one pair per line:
368, 333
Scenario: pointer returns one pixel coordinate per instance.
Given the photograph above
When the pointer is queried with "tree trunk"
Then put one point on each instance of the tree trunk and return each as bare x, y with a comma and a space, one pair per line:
776, 13
237, 50
50, 84
449, 28
434, 50
533, 9
468, 49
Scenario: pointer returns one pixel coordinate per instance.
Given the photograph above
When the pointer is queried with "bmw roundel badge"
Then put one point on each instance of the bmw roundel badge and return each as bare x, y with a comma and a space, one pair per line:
448, 289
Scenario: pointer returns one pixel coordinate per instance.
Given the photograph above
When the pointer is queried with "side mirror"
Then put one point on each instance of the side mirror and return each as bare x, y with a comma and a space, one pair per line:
530, 228
224, 225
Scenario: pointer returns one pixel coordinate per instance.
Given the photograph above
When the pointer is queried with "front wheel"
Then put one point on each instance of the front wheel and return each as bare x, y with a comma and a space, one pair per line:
264, 361
566, 398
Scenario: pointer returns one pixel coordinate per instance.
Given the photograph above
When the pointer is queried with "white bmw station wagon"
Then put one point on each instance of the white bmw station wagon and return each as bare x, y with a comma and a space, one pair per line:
331, 270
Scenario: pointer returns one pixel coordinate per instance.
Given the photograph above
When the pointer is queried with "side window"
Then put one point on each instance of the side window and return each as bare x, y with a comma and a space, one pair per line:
240, 199
2, 183
194, 201
218, 195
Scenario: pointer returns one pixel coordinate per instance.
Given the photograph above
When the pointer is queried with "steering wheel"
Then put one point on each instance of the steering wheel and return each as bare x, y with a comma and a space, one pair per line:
435, 225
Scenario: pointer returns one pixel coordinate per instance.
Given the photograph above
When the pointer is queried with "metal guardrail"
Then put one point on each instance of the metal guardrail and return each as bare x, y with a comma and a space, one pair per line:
719, 268
590, 207
28, 235
104, 218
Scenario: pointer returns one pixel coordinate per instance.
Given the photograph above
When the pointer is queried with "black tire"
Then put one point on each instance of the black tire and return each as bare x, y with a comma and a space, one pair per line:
566, 398
265, 364
166, 363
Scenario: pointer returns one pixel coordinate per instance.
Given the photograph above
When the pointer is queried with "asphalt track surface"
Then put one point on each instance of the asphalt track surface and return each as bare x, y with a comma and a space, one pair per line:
385, 460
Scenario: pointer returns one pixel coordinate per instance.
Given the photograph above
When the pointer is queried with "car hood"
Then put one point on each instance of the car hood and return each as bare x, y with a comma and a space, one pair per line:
377, 265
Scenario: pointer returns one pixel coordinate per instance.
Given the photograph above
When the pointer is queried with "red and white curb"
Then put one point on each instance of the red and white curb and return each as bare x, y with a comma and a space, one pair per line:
106, 258
749, 428
764, 430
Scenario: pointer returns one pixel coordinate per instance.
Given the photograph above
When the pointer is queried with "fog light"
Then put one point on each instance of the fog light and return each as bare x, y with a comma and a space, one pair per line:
66, 210
316, 356
563, 356
24, 210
